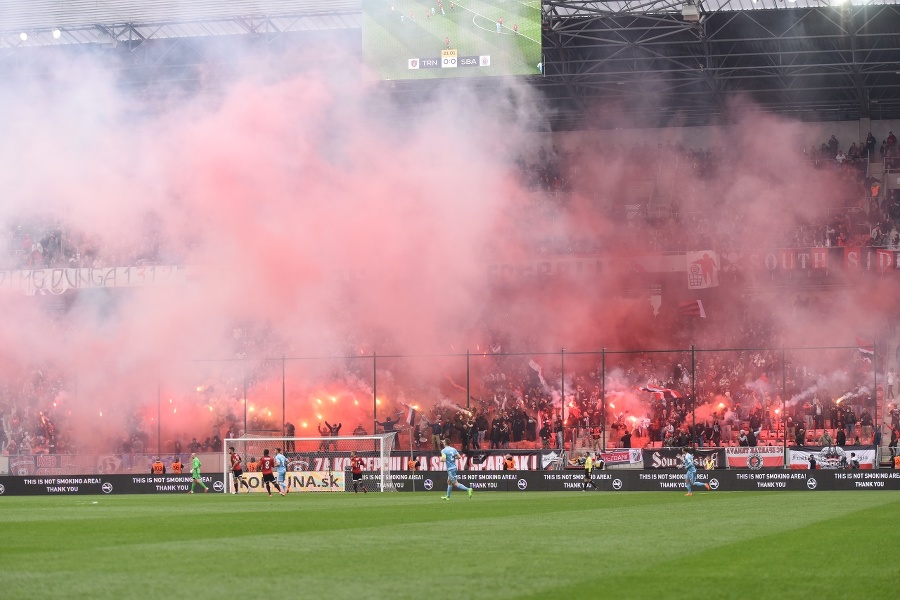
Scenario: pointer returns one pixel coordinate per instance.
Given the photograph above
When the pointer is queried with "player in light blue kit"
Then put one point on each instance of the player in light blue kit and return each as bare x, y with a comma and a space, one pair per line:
690, 474
449, 455
281, 470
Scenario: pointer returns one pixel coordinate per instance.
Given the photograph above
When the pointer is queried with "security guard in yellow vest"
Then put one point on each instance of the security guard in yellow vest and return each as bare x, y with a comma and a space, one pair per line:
588, 467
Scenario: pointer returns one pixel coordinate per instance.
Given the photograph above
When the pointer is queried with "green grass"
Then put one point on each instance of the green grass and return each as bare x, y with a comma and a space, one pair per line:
413, 545
471, 27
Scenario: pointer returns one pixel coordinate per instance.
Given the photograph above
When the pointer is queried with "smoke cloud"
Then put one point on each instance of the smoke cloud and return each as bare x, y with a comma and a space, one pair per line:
317, 220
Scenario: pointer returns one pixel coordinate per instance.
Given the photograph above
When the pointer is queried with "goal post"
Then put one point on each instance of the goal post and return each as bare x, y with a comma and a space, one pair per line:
314, 464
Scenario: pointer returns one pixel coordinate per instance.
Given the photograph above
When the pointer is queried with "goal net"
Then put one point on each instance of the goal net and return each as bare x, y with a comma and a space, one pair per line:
314, 464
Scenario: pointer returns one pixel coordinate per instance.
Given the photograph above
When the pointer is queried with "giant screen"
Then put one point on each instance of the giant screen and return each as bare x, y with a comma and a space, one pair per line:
425, 39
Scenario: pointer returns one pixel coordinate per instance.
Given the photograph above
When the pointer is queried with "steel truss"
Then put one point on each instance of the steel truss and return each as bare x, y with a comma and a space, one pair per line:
660, 69
605, 63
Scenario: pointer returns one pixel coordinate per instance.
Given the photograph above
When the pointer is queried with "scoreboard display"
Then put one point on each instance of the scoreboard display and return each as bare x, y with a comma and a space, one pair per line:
424, 39
450, 60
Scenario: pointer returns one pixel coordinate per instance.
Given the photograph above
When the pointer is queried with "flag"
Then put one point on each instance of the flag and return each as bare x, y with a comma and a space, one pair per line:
411, 417
660, 392
866, 348
537, 368
694, 308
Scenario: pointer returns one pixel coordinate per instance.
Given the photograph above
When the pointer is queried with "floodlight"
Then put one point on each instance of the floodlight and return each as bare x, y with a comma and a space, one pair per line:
105, 39
689, 12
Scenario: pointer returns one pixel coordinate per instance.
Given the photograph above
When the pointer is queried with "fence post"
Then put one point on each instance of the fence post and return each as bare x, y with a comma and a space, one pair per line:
468, 388
784, 405
158, 415
374, 394
693, 398
876, 425
562, 352
244, 379
603, 398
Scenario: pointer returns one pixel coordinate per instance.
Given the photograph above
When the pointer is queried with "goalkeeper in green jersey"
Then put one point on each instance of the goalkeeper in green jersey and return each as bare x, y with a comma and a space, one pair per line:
195, 474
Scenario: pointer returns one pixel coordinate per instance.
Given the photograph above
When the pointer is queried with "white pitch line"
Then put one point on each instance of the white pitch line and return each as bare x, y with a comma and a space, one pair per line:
502, 26
487, 28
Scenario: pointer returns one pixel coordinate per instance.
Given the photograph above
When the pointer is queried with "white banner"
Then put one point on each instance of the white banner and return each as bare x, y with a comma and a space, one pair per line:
755, 457
832, 457
702, 269
297, 481
625, 456
57, 281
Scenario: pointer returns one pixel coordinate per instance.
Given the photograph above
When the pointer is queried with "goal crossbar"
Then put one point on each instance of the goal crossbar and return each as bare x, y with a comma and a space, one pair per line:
314, 463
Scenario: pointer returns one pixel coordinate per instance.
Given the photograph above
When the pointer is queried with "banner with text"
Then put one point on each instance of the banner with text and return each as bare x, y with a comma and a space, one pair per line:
670, 458
832, 457
104, 484
758, 457
297, 481
614, 480
808, 260
626, 456
57, 281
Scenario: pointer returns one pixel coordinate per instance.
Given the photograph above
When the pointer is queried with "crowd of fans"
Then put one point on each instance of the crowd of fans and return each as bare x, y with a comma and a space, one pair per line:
732, 398
652, 399
29, 420
43, 242
667, 197
519, 404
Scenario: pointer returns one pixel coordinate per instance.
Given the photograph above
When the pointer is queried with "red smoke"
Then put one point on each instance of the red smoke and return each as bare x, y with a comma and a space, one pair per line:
315, 222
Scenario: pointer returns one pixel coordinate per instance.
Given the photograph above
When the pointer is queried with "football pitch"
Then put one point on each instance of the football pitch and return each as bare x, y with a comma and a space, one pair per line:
414, 545
403, 39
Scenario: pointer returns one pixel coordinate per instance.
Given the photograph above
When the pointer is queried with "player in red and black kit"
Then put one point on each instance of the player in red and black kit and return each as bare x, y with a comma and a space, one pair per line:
237, 470
356, 464
266, 463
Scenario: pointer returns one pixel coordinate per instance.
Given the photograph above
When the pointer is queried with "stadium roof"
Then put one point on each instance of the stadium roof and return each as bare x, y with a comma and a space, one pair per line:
44, 14
663, 62
16, 15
